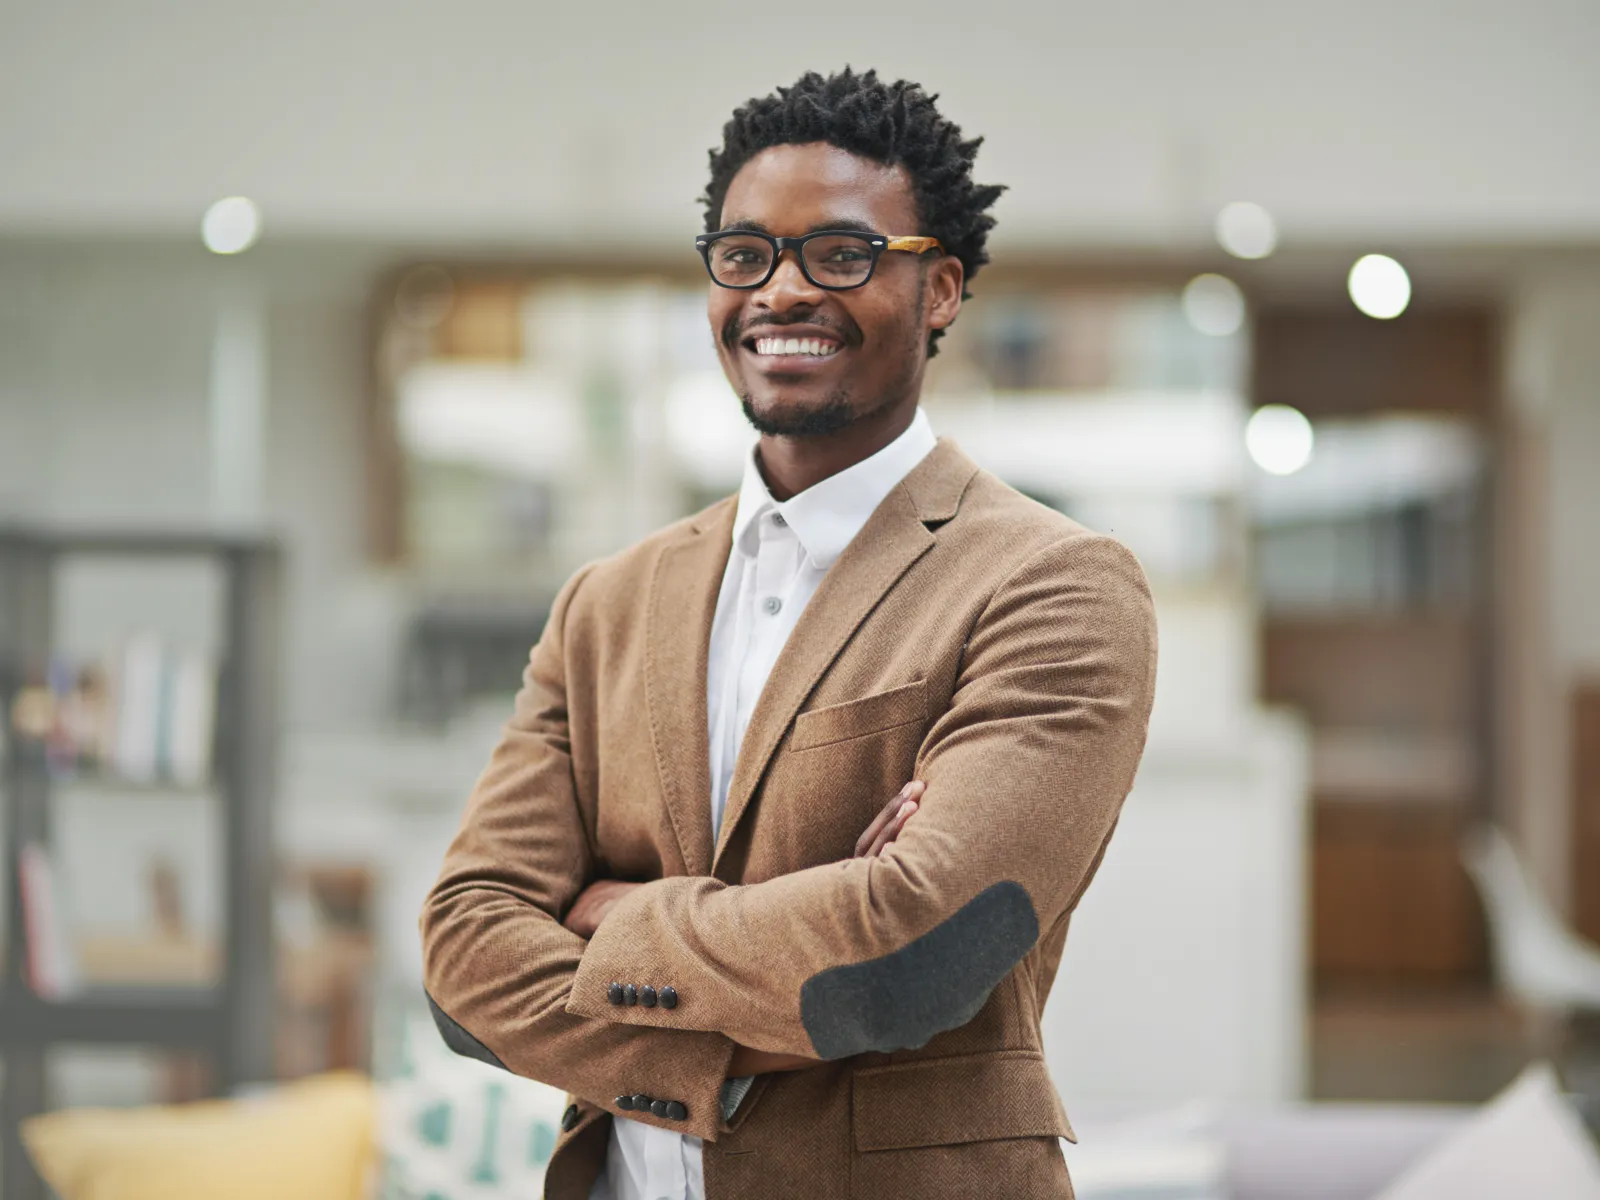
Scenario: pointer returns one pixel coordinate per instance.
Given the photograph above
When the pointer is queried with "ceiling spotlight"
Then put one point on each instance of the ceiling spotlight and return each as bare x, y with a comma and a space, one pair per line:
231, 225
1246, 230
1214, 305
1279, 439
1380, 286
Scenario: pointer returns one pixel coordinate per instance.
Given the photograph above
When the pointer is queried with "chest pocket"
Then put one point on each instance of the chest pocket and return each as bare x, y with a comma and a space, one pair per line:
835, 723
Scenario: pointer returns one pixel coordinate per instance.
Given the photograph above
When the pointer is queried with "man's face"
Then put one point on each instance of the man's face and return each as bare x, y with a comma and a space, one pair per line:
874, 338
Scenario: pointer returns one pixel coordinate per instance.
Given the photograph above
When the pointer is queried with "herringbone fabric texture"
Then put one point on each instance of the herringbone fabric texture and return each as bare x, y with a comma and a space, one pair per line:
968, 638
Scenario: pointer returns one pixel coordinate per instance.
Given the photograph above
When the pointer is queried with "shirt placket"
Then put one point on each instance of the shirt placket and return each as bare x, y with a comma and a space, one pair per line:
726, 729
773, 575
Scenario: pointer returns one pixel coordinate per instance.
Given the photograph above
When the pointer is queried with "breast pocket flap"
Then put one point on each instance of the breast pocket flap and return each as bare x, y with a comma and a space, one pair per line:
904, 705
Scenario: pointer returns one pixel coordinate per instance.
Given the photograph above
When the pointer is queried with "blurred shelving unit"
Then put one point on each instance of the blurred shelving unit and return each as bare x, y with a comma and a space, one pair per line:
230, 1022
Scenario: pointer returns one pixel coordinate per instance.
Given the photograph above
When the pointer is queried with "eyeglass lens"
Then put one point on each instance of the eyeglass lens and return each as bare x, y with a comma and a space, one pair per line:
837, 260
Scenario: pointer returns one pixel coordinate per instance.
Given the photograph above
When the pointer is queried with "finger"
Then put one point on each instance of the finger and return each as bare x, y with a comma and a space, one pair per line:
893, 828
878, 822
908, 806
580, 918
885, 815
911, 794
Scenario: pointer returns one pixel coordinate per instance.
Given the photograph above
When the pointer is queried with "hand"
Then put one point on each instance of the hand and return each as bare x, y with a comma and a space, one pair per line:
886, 826
593, 903
749, 1061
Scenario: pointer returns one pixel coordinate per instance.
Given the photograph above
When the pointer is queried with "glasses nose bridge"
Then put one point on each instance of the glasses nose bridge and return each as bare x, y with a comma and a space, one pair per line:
797, 274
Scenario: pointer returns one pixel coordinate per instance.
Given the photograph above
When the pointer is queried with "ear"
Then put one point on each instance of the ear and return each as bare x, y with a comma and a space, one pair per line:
945, 279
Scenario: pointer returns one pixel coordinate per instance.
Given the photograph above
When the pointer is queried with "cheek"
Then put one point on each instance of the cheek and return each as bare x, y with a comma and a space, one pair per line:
890, 326
721, 307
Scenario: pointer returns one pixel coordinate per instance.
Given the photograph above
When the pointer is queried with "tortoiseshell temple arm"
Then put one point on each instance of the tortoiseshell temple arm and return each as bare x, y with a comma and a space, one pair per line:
916, 245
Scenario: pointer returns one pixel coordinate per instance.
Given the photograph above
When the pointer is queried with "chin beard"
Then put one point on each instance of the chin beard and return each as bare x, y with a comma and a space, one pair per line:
832, 415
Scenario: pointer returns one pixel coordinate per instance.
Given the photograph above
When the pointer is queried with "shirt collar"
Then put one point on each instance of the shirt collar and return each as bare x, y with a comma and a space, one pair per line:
827, 516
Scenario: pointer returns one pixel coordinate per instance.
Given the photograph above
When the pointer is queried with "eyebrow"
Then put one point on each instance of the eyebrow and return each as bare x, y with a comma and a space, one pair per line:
844, 225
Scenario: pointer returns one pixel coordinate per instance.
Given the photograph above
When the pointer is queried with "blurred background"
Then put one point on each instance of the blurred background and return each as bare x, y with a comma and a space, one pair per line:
334, 337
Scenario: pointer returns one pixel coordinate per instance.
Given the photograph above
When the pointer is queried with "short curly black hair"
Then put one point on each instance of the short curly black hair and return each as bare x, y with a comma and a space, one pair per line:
896, 124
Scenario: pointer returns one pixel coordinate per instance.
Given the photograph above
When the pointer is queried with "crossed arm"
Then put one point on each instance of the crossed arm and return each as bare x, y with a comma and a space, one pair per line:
1022, 781
601, 896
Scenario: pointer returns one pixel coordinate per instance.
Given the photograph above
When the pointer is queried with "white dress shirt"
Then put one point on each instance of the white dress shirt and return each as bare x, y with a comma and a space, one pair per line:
780, 554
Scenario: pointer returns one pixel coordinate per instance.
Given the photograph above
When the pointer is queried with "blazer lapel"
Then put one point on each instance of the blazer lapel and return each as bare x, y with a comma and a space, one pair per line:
683, 601
893, 538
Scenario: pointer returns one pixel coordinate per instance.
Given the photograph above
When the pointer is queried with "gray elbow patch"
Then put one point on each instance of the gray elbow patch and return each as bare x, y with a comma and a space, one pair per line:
459, 1040
937, 982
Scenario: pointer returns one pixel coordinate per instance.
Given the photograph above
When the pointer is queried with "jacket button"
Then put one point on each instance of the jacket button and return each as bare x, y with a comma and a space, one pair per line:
647, 996
676, 1111
669, 997
630, 994
658, 1107
641, 1102
625, 1103
569, 1118
614, 993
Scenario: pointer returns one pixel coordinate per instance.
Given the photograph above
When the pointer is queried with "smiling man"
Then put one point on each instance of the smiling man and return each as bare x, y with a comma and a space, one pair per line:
678, 892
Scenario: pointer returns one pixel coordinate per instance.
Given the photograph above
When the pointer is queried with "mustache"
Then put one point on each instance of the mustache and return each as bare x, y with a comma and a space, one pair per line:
734, 331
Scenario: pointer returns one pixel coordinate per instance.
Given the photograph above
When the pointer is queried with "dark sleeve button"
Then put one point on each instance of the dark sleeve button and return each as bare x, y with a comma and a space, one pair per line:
625, 1103
658, 1107
630, 994
669, 997
614, 993
676, 1111
569, 1118
647, 996
641, 1102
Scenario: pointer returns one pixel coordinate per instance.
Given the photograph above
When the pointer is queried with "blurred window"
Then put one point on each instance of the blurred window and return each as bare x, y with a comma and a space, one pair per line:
537, 422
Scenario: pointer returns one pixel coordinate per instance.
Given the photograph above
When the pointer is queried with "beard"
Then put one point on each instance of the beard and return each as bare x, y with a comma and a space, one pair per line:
832, 415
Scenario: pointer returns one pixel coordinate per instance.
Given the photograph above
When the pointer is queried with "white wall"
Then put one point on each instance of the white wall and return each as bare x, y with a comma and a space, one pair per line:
492, 119
1184, 974
1552, 559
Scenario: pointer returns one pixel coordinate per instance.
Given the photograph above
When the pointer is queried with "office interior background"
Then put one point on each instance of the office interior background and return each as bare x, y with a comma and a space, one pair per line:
1300, 301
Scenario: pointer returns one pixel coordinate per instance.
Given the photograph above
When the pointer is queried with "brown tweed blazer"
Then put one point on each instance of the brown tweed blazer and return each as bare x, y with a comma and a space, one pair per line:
968, 638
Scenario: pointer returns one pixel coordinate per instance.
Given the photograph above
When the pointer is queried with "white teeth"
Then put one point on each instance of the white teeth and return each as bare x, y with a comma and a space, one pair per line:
815, 347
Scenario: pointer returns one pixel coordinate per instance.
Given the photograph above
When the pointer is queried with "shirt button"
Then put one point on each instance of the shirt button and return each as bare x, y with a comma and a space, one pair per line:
771, 605
777, 519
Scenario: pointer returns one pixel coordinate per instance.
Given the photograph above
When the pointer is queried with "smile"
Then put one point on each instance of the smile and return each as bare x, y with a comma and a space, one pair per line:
812, 347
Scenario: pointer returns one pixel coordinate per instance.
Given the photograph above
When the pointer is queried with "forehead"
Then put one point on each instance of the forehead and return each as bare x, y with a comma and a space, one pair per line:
790, 190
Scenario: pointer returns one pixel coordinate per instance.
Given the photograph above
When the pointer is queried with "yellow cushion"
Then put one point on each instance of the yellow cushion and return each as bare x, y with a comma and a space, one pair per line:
310, 1140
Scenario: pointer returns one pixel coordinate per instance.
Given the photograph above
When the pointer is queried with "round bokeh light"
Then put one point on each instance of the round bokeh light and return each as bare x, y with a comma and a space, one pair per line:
1246, 230
1214, 305
1380, 286
1279, 439
231, 225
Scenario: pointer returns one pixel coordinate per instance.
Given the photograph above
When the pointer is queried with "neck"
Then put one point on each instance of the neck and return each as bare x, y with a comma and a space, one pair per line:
790, 465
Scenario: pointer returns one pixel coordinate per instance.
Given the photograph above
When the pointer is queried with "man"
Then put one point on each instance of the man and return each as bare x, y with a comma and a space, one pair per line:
677, 892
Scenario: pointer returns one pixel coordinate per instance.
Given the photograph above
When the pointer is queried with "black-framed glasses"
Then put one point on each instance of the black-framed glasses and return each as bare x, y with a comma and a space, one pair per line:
834, 259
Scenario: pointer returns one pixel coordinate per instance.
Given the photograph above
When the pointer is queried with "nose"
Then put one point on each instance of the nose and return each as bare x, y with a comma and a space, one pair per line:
788, 288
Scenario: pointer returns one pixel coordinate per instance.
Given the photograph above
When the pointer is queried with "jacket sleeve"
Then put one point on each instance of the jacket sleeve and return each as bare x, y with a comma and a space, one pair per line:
1025, 774
497, 963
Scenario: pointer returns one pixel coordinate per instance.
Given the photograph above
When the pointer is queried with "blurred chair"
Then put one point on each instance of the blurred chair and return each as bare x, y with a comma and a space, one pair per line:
1537, 958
